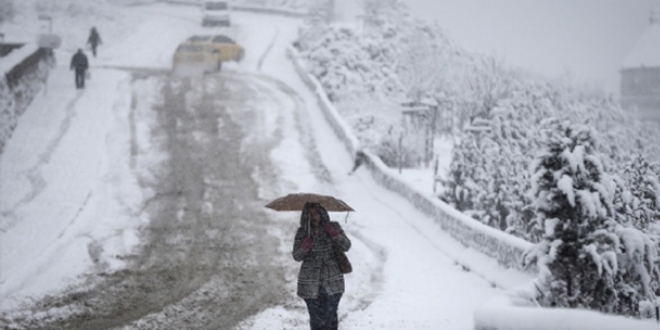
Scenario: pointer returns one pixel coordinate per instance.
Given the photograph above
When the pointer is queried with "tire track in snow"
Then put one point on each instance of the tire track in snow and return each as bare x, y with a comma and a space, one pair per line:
372, 279
267, 51
324, 176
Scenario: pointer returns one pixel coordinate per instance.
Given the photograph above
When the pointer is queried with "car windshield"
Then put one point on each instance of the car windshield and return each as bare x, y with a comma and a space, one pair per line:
220, 5
222, 40
199, 38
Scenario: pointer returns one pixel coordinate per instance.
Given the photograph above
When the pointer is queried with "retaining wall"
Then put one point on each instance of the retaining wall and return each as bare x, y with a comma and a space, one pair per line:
24, 72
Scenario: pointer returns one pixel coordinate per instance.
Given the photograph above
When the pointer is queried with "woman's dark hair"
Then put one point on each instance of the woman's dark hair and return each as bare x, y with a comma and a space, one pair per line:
304, 216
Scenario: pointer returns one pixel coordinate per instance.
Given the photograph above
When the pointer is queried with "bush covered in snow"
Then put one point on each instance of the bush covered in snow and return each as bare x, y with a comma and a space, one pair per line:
586, 258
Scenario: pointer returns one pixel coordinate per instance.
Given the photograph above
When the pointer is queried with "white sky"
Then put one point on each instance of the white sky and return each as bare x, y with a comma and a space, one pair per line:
588, 38
69, 190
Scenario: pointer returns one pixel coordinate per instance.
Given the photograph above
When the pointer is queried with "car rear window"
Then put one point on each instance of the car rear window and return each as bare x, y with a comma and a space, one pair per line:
223, 40
199, 38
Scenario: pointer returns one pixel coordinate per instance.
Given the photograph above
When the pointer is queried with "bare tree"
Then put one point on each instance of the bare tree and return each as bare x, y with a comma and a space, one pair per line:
7, 11
489, 82
421, 64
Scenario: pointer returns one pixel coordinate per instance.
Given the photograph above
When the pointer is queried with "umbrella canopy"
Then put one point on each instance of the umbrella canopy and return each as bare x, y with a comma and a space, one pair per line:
296, 202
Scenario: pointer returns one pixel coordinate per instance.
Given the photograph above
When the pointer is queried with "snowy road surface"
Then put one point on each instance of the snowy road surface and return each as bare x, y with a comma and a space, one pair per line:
137, 203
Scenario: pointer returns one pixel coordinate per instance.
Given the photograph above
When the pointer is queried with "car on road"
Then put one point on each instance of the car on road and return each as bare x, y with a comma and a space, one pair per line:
228, 49
215, 13
191, 57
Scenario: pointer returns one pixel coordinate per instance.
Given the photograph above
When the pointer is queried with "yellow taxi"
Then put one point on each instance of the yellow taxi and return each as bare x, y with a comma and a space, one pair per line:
229, 50
206, 53
193, 57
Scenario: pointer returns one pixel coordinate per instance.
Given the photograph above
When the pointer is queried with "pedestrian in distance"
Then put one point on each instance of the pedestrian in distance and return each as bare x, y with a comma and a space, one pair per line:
94, 40
80, 64
320, 280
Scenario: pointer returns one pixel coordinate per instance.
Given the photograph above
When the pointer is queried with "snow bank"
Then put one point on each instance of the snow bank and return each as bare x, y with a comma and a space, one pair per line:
24, 71
16, 56
516, 310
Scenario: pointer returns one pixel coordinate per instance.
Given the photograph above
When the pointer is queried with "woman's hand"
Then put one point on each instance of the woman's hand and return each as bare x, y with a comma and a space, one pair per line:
331, 230
306, 244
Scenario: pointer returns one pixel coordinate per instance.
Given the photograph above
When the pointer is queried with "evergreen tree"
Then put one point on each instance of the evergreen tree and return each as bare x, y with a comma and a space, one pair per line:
641, 207
460, 190
637, 211
573, 200
638, 273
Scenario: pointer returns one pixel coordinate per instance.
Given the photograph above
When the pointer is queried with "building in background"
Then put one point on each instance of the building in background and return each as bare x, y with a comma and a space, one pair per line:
640, 74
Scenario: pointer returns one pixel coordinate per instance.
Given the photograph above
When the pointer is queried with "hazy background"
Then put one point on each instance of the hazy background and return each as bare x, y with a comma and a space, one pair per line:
588, 39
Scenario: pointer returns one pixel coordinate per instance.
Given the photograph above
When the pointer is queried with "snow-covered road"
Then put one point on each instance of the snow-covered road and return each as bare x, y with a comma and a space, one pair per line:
71, 196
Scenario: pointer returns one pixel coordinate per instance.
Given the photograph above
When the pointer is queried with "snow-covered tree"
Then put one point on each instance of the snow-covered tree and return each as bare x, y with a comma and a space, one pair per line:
638, 273
573, 196
486, 84
460, 189
640, 204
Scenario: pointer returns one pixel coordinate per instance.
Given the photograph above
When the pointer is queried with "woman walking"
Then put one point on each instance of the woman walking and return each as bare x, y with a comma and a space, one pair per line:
320, 281
94, 40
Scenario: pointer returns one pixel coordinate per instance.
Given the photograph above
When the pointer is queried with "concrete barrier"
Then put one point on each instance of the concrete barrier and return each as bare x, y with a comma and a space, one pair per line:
24, 72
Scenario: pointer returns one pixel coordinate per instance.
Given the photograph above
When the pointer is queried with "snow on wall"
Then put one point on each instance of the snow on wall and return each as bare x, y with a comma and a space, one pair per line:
515, 310
24, 72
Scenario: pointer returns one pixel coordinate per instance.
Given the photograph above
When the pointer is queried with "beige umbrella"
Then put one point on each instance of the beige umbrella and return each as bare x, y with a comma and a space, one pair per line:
296, 202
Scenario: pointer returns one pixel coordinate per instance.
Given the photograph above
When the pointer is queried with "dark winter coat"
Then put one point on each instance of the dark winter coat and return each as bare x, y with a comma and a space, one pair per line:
94, 38
79, 62
319, 266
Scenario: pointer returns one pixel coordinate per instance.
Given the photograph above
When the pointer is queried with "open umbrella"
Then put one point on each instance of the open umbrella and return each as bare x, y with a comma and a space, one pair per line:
296, 202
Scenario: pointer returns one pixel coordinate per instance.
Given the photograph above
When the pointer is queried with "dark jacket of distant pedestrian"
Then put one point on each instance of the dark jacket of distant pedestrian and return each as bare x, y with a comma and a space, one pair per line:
320, 282
94, 40
80, 64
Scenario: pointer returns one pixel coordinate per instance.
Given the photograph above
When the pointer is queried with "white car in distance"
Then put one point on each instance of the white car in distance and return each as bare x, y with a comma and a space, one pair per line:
215, 13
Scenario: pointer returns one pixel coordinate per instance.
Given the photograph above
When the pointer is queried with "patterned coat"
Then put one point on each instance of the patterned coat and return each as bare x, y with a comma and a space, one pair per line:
319, 266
